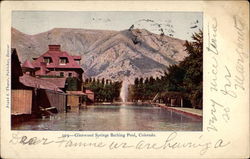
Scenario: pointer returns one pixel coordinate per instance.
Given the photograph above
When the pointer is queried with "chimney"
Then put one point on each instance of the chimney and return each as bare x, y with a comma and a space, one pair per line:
54, 47
42, 68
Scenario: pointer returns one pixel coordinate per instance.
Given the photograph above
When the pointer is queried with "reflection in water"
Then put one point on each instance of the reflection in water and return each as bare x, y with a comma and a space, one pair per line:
115, 118
124, 116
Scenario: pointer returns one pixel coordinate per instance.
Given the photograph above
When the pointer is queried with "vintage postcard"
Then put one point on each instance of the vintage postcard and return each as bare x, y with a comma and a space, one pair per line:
106, 70
128, 80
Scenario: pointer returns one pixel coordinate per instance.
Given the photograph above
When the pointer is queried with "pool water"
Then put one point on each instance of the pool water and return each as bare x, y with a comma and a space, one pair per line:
116, 118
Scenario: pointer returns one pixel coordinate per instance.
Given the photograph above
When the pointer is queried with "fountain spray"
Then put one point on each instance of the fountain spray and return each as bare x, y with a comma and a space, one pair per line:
124, 91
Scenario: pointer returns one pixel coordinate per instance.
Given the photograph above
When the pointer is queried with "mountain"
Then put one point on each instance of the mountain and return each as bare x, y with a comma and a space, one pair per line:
107, 54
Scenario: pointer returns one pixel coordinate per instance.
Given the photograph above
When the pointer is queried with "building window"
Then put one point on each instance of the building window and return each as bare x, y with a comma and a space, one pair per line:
77, 61
70, 74
63, 60
47, 60
62, 74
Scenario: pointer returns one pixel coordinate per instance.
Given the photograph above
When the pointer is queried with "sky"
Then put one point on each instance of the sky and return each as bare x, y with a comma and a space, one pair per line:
176, 24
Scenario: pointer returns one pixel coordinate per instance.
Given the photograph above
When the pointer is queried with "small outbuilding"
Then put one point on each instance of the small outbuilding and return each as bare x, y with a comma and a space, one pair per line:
76, 99
90, 95
173, 99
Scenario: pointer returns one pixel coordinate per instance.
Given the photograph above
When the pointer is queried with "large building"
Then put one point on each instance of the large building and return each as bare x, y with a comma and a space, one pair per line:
29, 94
62, 70
57, 63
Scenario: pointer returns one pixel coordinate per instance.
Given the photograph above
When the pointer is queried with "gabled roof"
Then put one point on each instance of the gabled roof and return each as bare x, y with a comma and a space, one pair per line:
87, 91
16, 69
38, 83
39, 72
55, 56
59, 82
27, 64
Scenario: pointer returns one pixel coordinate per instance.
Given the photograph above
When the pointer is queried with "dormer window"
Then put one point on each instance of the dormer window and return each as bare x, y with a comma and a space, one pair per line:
47, 60
63, 60
77, 61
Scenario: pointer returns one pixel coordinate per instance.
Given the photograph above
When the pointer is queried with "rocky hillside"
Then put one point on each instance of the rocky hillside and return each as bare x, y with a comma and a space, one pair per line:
108, 54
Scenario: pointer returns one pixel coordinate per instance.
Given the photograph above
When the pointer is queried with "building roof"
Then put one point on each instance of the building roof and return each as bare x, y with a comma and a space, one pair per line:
16, 69
77, 57
59, 82
38, 83
87, 91
27, 64
75, 93
39, 72
55, 53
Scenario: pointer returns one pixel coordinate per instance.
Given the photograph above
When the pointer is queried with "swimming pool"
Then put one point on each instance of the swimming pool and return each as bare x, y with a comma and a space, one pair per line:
143, 117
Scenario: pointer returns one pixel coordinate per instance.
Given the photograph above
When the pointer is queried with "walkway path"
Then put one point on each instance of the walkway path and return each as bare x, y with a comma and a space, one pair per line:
189, 111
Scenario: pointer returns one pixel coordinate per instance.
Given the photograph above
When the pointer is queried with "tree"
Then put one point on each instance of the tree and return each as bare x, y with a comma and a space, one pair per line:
107, 81
141, 81
87, 80
192, 81
104, 92
174, 78
136, 82
103, 81
98, 81
187, 76
71, 84
151, 80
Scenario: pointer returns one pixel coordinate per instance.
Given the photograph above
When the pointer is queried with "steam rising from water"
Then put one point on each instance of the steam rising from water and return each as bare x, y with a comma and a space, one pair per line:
124, 91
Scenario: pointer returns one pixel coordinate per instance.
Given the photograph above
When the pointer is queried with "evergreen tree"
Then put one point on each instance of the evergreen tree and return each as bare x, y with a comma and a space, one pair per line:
193, 78
146, 81
186, 77
136, 82
103, 81
141, 81
151, 80
72, 84
107, 81
87, 80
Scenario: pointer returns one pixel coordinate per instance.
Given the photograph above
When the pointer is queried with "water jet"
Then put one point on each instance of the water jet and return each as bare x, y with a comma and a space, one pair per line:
124, 91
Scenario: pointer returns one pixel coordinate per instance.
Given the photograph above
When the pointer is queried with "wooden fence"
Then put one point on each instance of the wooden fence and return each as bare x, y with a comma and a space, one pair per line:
21, 102
73, 100
48, 98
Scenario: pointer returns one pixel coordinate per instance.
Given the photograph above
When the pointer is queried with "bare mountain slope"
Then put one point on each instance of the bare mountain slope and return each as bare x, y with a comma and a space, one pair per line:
107, 54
